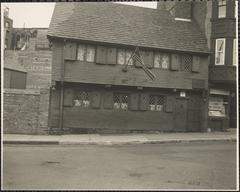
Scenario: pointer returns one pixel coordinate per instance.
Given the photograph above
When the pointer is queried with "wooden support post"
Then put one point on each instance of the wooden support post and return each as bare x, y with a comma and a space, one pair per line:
61, 107
62, 89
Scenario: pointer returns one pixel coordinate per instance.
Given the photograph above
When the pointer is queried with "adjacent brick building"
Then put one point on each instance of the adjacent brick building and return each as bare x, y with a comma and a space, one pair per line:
27, 78
92, 43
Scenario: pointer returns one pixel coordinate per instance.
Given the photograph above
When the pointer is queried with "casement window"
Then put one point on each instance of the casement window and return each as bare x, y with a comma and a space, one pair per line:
90, 57
161, 61
128, 55
124, 56
82, 99
120, 101
186, 61
156, 102
86, 53
81, 52
221, 8
234, 52
220, 52
121, 57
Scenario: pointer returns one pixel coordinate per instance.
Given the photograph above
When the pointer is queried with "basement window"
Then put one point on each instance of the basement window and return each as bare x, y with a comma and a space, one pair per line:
82, 99
120, 101
221, 8
156, 102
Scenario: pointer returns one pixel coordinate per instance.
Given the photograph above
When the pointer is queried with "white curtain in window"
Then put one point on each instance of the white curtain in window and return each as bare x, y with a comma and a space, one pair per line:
165, 61
121, 57
157, 60
90, 53
81, 52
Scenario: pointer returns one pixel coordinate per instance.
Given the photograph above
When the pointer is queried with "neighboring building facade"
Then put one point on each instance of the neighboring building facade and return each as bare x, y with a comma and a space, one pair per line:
91, 44
217, 19
27, 78
8, 26
222, 69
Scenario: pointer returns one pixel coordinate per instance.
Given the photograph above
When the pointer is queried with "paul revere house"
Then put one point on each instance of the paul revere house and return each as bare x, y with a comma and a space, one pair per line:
119, 68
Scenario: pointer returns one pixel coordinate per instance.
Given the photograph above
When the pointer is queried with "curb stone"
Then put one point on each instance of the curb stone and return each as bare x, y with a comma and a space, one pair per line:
112, 142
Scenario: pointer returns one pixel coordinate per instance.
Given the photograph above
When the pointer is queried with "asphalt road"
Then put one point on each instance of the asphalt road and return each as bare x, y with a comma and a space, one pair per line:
206, 165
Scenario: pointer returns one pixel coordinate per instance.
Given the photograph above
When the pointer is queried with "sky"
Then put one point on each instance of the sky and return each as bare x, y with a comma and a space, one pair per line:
39, 14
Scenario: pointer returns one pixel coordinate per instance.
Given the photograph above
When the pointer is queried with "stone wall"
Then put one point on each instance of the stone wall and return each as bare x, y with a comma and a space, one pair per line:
25, 111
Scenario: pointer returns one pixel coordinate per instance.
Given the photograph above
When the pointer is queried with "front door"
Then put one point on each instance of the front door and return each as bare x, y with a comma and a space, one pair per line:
181, 114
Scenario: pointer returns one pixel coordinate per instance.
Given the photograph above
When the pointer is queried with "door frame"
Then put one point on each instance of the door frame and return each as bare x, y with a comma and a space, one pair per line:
175, 113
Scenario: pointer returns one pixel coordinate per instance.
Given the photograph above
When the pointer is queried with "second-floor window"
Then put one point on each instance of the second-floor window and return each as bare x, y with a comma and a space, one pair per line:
220, 52
161, 60
86, 53
123, 57
186, 61
234, 52
221, 8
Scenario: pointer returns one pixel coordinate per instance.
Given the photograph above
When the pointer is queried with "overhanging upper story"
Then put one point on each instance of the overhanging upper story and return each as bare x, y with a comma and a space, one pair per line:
92, 42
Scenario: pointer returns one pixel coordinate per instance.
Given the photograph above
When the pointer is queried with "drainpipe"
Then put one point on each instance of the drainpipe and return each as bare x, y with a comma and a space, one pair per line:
62, 88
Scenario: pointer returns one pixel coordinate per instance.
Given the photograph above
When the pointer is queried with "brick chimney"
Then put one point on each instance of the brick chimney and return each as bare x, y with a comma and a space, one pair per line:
180, 10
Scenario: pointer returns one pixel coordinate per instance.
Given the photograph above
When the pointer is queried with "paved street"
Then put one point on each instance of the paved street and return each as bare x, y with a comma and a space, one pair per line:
200, 165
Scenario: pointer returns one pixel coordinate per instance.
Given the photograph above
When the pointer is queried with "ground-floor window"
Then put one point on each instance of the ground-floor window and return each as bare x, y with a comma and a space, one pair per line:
82, 99
217, 106
156, 102
120, 101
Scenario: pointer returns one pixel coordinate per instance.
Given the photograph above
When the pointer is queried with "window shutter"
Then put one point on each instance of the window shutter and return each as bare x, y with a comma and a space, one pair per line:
111, 56
134, 98
101, 55
175, 62
108, 100
169, 104
196, 64
70, 51
144, 100
96, 99
148, 58
68, 97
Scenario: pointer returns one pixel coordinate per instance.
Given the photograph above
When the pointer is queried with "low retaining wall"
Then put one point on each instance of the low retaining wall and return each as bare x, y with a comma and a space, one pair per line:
25, 111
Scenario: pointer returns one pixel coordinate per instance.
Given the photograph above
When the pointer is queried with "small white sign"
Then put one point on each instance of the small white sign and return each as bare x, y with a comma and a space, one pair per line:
182, 94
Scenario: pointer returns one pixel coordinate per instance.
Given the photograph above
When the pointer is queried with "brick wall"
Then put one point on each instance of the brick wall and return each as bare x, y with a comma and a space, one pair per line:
25, 111
36, 63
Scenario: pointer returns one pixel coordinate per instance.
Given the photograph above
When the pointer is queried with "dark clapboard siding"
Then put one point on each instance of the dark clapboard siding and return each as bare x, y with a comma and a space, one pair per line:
86, 72
101, 115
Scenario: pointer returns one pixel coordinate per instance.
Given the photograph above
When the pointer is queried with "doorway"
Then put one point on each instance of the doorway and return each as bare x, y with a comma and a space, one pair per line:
181, 108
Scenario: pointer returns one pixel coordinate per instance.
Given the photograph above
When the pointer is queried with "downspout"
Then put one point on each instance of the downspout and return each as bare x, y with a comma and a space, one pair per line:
62, 88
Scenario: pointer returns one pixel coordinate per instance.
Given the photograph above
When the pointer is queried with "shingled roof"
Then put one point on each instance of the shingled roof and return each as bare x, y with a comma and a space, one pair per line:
126, 25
